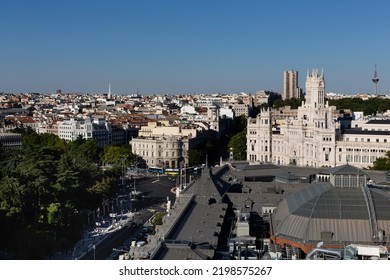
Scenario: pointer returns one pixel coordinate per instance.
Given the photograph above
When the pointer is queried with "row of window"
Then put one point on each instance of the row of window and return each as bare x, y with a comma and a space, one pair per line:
359, 158
364, 150
167, 163
252, 157
143, 145
146, 153
320, 125
350, 181
366, 140
6, 143
348, 158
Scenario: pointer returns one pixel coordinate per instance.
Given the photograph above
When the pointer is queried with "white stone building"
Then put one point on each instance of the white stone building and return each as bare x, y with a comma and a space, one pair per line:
97, 128
314, 137
163, 151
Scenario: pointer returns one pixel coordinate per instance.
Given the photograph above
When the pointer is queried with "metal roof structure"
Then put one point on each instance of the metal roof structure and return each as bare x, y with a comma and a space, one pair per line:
365, 132
381, 121
306, 215
306, 212
346, 169
196, 232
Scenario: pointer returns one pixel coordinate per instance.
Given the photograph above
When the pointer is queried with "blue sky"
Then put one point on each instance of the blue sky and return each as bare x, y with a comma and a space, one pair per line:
191, 46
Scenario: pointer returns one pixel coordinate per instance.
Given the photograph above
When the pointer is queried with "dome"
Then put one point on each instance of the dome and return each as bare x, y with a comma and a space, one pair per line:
334, 214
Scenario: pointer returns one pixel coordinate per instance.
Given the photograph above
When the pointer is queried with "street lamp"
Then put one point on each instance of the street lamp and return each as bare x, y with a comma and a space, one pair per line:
123, 169
231, 153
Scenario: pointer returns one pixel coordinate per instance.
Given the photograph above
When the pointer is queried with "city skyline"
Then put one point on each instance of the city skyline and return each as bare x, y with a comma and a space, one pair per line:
177, 47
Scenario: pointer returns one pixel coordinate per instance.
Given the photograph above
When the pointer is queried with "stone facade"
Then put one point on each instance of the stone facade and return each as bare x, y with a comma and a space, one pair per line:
163, 151
313, 136
290, 85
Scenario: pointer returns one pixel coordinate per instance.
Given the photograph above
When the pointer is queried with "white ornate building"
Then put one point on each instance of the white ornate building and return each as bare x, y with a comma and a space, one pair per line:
314, 137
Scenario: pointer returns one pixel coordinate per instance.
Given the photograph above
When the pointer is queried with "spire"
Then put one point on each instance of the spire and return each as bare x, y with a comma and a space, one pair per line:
375, 73
109, 91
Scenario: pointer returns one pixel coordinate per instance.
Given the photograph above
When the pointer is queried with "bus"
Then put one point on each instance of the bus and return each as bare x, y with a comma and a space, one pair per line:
186, 170
171, 171
156, 170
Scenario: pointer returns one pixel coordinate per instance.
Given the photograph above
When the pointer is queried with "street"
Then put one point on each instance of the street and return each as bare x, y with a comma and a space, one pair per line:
152, 193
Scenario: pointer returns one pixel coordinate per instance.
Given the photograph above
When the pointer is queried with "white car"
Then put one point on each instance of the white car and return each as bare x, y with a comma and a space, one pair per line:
141, 243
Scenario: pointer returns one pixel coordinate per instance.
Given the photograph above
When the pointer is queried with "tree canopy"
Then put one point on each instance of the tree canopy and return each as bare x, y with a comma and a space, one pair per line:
382, 163
46, 189
115, 155
237, 145
293, 102
370, 106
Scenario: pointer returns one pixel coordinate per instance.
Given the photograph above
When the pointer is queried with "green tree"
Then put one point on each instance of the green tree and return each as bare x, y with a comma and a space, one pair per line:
52, 140
104, 188
83, 150
10, 159
115, 154
90, 150
46, 187
263, 106
294, 103
237, 145
54, 214
243, 122
158, 218
196, 156
68, 178
369, 107
12, 196
382, 163
278, 103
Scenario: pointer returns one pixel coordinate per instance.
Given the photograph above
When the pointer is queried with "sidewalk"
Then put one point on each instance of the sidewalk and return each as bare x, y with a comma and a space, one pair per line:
93, 237
153, 241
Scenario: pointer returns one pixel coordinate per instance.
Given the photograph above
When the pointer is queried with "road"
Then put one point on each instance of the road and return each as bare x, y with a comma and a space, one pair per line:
154, 193
116, 239
155, 190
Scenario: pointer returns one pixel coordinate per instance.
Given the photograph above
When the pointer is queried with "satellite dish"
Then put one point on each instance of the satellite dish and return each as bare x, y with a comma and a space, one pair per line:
319, 245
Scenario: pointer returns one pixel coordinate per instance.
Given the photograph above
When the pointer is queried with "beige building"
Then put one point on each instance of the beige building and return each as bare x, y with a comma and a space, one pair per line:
165, 129
51, 128
163, 151
290, 85
240, 109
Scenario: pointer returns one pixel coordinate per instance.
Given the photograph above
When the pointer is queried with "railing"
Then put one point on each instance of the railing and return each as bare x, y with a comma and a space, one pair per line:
370, 210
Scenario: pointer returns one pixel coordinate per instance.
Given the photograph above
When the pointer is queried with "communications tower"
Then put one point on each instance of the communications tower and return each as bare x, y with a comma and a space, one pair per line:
375, 80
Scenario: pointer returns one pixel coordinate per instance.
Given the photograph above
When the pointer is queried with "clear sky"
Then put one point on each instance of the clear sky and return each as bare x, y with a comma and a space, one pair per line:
191, 46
